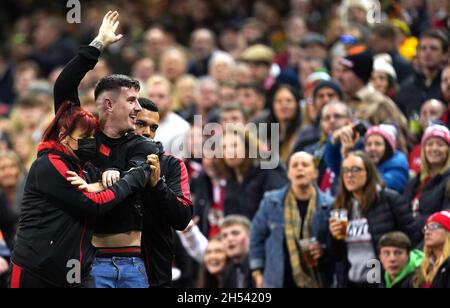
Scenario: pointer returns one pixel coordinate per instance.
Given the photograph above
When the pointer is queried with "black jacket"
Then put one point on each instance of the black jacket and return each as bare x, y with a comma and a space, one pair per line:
56, 222
55, 56
442, 278
307, 136
201, 189
414, 92
237, 275
389, 213
167, 206
433, 197
244, 199
402, 67
122, 154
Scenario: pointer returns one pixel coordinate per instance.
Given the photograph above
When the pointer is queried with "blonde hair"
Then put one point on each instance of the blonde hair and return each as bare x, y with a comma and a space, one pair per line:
377, 108
183, 81
425, 168
159, 80
427, 272
11, 155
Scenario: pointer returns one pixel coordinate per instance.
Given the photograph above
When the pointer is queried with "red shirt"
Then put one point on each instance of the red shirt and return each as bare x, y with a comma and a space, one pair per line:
215, 215
414, 159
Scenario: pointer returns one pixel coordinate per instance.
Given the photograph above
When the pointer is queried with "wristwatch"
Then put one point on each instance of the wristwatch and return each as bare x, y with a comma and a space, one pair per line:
97, 44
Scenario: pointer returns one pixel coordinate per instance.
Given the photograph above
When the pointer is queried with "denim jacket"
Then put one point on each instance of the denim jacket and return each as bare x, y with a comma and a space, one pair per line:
267, 234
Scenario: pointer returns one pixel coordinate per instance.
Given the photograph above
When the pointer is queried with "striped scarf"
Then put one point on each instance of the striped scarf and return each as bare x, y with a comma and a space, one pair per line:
303, 275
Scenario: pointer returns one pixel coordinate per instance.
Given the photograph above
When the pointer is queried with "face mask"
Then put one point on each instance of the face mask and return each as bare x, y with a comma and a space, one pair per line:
87, 149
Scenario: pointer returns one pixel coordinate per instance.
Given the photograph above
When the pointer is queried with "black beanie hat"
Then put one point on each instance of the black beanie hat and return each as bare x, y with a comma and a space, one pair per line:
361, 64
328, 84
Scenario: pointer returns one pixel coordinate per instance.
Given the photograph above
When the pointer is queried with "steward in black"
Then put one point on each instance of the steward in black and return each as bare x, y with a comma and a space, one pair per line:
167, 206
120, 154
57, 219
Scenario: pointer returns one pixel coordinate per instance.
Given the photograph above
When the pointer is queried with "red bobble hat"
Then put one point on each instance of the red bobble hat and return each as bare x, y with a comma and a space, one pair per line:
442, 218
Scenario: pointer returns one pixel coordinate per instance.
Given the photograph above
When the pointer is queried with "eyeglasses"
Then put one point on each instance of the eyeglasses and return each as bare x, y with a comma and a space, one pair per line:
431, 227
335, 116
352, 170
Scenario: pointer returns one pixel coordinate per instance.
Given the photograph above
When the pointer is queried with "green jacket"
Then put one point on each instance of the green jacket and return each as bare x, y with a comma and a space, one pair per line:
415, 260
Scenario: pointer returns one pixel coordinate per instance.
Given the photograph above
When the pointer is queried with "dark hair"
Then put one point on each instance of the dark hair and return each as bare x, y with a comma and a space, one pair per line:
370, 190
385, 30
68, 118
296, 122
115, 82
438, 35
235, 107
6, 139
253, 86
148, 104
395, 239
205, 278
252, 146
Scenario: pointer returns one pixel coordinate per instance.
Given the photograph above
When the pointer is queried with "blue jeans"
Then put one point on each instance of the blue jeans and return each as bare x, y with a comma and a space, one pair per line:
119, 272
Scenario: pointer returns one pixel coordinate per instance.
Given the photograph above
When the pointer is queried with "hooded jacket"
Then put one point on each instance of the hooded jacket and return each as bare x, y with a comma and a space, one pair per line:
403, 279
57, 219
395, 172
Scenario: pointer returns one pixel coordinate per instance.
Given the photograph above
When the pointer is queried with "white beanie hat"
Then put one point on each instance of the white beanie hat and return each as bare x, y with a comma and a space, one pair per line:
363, 4
383, 63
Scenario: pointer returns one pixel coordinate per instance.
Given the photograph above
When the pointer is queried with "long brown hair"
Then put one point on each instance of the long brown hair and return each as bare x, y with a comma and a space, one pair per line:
370, 188
251, 143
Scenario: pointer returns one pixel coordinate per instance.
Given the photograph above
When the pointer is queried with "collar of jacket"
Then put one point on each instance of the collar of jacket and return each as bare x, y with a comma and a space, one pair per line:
420, 77
46, 146
323, 200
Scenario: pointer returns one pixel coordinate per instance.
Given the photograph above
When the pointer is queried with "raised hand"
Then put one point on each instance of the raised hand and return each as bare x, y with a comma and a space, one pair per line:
107, 32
